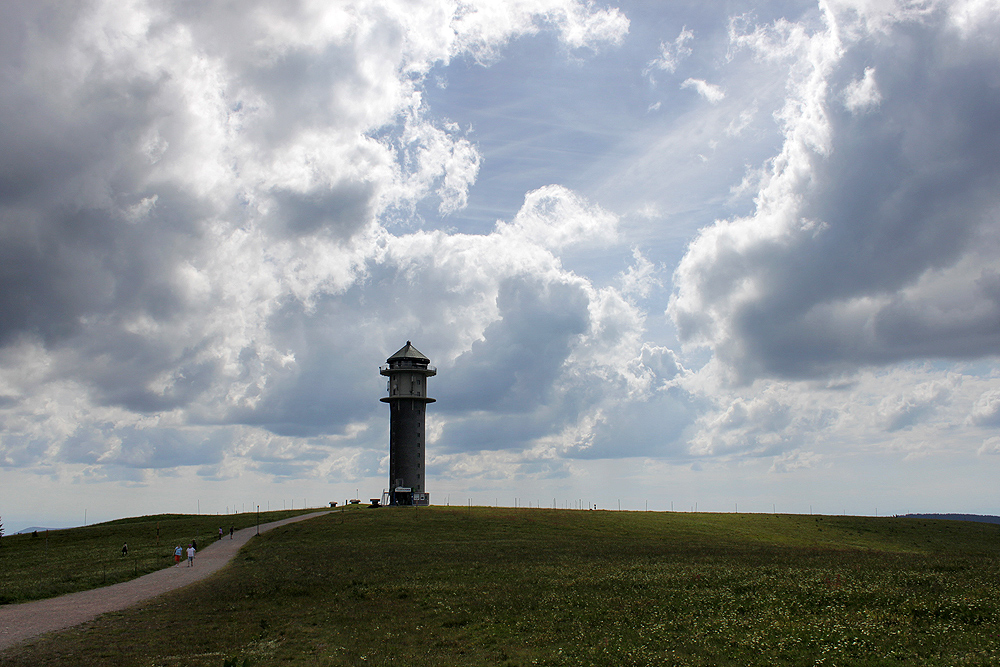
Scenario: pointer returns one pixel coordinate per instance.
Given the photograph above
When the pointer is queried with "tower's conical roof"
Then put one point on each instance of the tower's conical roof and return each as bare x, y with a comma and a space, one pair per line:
409, 352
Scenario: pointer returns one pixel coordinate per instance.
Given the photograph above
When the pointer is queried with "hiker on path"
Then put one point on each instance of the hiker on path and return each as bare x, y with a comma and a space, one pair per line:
194, 543
190, 554
178, 552
230, 532
125, 549
220, 532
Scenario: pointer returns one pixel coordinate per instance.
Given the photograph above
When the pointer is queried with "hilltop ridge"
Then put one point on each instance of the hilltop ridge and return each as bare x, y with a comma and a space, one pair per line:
981, 518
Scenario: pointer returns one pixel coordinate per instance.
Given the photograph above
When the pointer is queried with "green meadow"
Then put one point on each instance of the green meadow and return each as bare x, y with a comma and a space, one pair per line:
56, 562
493, 586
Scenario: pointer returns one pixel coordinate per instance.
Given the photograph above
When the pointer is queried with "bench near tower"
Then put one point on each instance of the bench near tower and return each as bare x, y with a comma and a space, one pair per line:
407, 371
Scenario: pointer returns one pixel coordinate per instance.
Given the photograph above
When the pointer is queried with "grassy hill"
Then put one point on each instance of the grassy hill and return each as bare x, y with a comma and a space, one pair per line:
57, 562
483, 586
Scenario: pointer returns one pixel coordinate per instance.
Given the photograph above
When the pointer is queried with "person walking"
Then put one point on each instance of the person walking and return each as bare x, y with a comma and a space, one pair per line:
220, 532
125, 549
178, 552
190, 555
230, 532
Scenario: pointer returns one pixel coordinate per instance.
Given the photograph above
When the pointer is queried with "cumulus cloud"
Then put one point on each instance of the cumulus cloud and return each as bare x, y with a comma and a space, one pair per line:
904, 410
986, 411
873, 234
539, 350
554, 217
758, 426
195, 203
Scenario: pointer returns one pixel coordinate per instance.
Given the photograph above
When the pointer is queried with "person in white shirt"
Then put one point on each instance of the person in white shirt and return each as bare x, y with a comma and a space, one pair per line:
190, 555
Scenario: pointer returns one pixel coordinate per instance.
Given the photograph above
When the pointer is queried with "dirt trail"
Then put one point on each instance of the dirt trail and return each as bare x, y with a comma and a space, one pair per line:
19, 622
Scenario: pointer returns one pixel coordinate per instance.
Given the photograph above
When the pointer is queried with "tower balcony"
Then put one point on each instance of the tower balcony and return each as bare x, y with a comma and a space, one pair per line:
407, 367
408, 397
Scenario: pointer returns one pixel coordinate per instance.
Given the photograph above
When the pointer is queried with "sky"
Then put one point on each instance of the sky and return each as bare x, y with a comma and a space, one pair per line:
735, 256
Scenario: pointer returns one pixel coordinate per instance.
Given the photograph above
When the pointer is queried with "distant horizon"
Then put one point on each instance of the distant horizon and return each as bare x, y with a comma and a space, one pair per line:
927, 515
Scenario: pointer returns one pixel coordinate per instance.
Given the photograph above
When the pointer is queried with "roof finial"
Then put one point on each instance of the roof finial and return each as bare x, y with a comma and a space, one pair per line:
408, 343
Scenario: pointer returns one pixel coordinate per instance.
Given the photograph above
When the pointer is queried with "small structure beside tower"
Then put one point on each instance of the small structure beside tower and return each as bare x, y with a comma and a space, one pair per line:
407, 371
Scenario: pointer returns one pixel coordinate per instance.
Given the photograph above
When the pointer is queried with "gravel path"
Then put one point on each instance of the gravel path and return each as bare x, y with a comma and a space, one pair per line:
19, 622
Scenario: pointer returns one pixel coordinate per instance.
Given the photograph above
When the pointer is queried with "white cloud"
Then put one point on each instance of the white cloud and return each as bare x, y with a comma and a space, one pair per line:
900, 411
640, 278
671, 53
758, 426
554, 217
907, 411
795, 460
863, 94
741, 122
990, 446
972, 15
710, 91
483, 27
986, 411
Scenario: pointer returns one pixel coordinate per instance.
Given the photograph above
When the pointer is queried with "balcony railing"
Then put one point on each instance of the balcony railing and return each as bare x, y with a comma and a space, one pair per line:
410, 367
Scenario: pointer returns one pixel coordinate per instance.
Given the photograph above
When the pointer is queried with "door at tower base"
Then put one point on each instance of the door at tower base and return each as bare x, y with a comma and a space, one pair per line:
404, 495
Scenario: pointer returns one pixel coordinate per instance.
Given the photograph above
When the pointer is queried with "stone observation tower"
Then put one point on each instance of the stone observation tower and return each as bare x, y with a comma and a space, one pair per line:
407, 371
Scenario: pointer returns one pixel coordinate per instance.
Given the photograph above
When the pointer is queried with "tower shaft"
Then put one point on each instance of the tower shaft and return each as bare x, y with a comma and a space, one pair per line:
406, 445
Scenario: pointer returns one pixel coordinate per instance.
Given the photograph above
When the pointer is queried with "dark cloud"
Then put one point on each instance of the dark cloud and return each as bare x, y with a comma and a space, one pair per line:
489, 431
341, 210
131, 447
328, 385
897, 224
514, 367
113, 169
